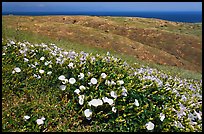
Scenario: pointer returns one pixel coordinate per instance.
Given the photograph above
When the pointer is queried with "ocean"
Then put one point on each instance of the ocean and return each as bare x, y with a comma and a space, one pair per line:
188, 17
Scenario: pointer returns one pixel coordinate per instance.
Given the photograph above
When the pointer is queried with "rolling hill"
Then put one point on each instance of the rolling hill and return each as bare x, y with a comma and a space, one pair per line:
152, 40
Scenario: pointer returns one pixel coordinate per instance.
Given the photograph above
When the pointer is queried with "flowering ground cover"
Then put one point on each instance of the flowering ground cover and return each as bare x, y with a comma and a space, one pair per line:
45, 88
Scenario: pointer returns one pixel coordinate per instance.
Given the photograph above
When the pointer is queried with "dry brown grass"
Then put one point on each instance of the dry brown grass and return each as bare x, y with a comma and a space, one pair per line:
128, 36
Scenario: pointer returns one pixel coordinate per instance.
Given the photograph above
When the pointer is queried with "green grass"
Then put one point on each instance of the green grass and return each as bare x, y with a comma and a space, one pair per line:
184, 29
67, 45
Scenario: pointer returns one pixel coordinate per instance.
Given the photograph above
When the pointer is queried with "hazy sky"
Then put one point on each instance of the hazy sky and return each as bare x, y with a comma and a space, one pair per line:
100, 6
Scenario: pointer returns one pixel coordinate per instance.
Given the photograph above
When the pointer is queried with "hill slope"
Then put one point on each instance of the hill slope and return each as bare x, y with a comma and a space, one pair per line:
157, 41
46, 89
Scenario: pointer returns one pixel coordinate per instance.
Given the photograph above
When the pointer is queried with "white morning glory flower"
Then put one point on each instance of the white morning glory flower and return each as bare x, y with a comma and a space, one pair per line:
77, 91
112, 82
81, 76
71, 65
95, 102
198, 115
88, 113
43, 118
26, 60
61, 77
81, 99
42, 58
72, 80
107, 82
109, 101
17, 69
40, 121
82, 87
120, 82
103, 75
12, 42
93, 81
46, 63
49, 72
26, 117
41, 71
50, 66
162, 116
63, 87
89, 73
124, 93
114, 109
89, 118
136, 103
113, 94
149, 126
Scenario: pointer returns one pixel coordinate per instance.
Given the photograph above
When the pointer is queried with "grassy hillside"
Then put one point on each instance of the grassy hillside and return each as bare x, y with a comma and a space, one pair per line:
152, 40
48, 89
8, 30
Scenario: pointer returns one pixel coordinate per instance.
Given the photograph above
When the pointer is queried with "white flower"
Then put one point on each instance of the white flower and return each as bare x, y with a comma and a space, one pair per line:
36, 63
38, 77
17, 69
50, 66
3, 54
13, 71
136, 103
61, 77
162, 116
81, 76
93, 80
107, 82
114, 109
82, 87
12, 42
81, 99
39, 121
77, 91
72, 80
26, 60
46, 63
71, 65
112, 82
120, 82
26, 117
109, 101
103, 75
198, 115
149, 126
124, 93
41, 71
49, 72
63, 87
95, 102
113, 94
43, 118
89, 118
88, 113
89, 73
42, 58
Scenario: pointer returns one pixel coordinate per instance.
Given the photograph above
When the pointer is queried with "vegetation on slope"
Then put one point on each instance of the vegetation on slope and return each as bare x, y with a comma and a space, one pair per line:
46, 88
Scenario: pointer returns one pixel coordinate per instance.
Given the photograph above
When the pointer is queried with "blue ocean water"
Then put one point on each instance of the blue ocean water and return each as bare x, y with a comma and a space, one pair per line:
189, 17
